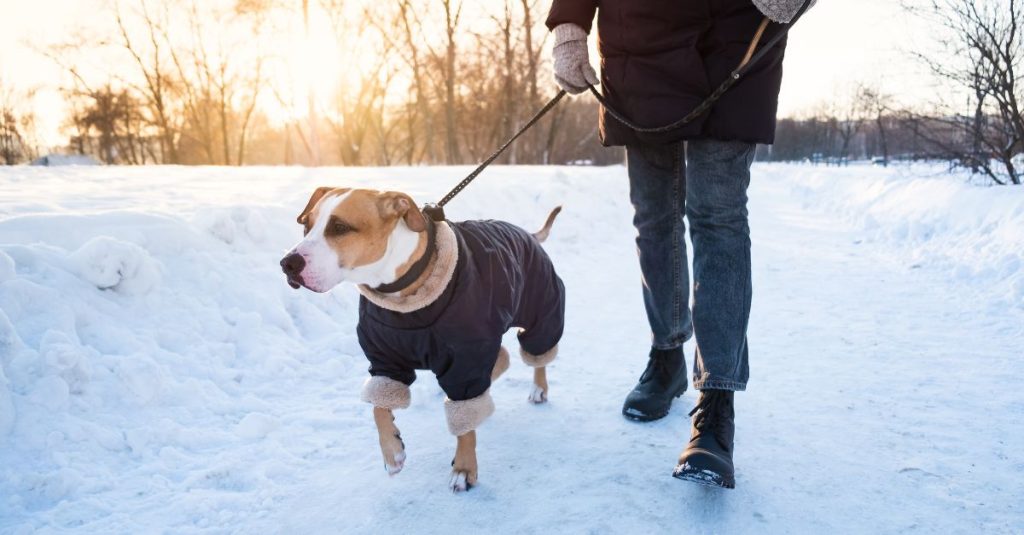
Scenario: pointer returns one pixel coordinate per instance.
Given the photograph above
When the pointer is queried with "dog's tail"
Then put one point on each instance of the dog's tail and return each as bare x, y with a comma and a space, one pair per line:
542, 234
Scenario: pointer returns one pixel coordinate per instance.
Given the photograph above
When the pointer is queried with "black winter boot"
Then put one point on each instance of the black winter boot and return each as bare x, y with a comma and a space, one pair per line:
662, 381
707, 459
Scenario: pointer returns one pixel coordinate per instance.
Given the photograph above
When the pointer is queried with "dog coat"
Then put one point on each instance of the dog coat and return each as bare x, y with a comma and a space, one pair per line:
502, 278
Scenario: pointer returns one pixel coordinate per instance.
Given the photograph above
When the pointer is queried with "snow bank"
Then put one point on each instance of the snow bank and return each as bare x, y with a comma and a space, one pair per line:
132, 340
111, 264
972, 232
6, 267
6, 406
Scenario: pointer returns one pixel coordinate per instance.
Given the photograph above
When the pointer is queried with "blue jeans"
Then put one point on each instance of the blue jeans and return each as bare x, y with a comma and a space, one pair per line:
707, 181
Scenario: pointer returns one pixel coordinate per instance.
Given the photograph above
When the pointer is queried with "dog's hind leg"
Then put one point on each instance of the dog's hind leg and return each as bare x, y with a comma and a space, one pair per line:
500, 365
539, 393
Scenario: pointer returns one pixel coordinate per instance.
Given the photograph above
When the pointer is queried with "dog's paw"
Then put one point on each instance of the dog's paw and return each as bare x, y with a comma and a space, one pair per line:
461, 481
393, 450
538, 395
396, 465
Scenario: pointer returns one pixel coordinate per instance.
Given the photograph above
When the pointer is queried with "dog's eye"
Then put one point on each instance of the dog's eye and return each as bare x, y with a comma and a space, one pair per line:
338, 228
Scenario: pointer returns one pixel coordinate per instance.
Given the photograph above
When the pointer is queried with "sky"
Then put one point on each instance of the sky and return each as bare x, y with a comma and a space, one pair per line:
838, 43
841, 42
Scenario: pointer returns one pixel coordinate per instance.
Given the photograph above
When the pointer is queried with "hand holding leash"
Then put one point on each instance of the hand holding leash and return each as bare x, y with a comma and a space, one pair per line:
573, 71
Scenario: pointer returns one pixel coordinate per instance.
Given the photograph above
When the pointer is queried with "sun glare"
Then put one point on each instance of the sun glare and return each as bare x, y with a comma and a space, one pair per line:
311, 66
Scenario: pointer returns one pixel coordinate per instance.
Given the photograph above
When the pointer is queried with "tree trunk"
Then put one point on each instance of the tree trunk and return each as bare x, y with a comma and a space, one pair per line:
451, 21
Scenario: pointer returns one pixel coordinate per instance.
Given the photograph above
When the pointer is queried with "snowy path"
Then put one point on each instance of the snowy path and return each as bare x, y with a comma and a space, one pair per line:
885, 395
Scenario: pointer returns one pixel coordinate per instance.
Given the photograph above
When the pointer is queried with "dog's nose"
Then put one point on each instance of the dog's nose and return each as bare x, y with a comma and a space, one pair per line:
293, 264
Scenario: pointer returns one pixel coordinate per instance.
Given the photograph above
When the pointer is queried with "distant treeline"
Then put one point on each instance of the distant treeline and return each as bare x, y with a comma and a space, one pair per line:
888, 137
422, 82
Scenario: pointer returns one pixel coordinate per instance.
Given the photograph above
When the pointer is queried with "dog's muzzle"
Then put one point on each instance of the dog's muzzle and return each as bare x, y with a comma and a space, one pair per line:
292, 265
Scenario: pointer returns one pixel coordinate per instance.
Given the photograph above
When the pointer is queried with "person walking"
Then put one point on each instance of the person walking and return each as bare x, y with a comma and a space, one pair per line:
660, 59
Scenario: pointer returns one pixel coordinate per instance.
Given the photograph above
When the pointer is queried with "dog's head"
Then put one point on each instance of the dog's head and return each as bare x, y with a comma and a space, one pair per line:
357, 235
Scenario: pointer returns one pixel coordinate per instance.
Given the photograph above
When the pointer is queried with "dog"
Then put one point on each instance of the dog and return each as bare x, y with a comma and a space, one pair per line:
437, 296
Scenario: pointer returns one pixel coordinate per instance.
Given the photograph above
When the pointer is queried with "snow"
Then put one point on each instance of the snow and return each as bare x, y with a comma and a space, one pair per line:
972, 233
111, 264
52, 160
158, 375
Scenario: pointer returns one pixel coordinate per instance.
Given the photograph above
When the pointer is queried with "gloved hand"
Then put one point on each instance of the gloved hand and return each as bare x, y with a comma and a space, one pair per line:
572, 59
781, 11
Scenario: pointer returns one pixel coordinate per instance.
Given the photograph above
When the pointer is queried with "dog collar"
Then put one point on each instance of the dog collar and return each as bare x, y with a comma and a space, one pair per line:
417, 269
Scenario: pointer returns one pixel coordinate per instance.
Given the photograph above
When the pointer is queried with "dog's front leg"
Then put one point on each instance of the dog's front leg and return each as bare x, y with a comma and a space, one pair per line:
391, 445
386, 395
464, 467
463, 418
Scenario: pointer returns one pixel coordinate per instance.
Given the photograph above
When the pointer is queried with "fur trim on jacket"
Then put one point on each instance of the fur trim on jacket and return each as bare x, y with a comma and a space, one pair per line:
465, 416
447, 257
386, 393
539, 361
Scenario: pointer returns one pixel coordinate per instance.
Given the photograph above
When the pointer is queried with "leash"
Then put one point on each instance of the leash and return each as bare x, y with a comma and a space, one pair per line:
704, 106
435, 211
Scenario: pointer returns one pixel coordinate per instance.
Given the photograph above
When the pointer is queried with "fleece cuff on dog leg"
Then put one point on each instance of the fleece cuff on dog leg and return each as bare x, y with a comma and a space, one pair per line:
386, 393
465, 416
539, 361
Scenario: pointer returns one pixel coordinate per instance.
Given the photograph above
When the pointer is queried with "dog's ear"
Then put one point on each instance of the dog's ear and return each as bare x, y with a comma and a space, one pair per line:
397, 204
315, 198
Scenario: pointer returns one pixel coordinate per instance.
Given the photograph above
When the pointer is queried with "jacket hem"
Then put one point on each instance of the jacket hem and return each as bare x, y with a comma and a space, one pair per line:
539, 361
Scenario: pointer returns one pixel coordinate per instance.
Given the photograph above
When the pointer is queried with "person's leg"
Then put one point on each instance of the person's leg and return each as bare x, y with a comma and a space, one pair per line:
718, 176
657, 191
716, 205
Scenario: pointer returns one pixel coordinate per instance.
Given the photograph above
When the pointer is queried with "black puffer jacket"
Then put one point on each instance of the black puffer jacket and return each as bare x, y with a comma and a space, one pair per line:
503, 279
661, 58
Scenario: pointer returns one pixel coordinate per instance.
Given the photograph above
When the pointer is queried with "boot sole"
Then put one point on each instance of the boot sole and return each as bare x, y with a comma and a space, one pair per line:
705, 477
641, 417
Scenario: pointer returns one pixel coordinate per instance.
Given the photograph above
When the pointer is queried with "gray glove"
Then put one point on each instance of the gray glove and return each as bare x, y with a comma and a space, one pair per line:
781, 10
572, 59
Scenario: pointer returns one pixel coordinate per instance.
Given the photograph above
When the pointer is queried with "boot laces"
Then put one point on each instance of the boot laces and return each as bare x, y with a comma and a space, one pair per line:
657, 366
711, 413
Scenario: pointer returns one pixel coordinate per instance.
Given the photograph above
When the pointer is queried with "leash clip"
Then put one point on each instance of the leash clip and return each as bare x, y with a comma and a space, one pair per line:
434, 212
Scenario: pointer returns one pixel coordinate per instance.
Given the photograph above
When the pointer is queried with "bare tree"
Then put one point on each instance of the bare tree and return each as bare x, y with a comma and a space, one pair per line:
539, 144
509, 78
877, 107
217, 84
846, 116
360, 107
420, 84
452, 14
422, 107
981, 53
17, 123
108, 123
152, 64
